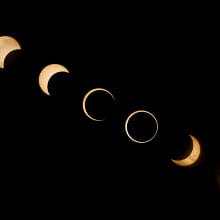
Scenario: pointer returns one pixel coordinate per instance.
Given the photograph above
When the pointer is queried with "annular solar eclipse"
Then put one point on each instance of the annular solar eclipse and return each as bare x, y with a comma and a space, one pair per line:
9, 44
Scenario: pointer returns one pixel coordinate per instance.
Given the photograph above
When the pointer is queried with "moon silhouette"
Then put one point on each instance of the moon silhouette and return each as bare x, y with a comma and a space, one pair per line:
46, 74
134, 113
86, 97
193, 157
7, 45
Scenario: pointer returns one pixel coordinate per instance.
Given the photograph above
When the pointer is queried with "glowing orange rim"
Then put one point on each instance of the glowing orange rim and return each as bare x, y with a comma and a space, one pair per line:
129, 117
86, 97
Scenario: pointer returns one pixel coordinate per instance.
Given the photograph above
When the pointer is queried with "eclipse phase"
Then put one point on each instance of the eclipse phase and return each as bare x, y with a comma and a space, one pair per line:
193, 157
46, 74
87, 96
133, 114
7, 45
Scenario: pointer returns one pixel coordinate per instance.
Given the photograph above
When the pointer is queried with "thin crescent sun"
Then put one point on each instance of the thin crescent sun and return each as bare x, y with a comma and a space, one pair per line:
193, 157
86, 97
46, 73
7, 45
131, 115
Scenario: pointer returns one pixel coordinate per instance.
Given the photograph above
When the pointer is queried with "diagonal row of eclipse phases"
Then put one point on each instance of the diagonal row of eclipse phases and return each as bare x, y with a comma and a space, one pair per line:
9, 44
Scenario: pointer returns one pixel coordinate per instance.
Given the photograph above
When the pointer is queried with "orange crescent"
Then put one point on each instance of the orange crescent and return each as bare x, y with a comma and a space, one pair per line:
7, 45
193, 157
46, 73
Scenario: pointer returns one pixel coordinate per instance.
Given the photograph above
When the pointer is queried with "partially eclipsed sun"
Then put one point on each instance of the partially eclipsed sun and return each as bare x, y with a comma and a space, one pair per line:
193, 157
7, 45
46, 74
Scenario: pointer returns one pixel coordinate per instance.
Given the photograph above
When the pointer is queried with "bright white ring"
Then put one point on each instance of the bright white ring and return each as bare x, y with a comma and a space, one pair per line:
129, 117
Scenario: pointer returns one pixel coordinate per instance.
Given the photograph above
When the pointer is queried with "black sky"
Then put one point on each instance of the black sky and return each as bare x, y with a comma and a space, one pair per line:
164, 64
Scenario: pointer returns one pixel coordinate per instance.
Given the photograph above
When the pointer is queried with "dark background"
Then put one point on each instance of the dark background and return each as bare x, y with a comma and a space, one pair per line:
163, 61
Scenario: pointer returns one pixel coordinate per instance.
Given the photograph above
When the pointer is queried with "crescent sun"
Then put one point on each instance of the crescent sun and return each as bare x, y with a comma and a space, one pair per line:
134, 113
46, 74
193, 157
86, 97
7, 45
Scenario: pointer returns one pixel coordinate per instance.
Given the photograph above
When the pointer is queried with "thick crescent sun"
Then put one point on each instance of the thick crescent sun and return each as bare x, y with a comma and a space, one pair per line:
47, 72
193, 157
134, 113
86, 97
7, 45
